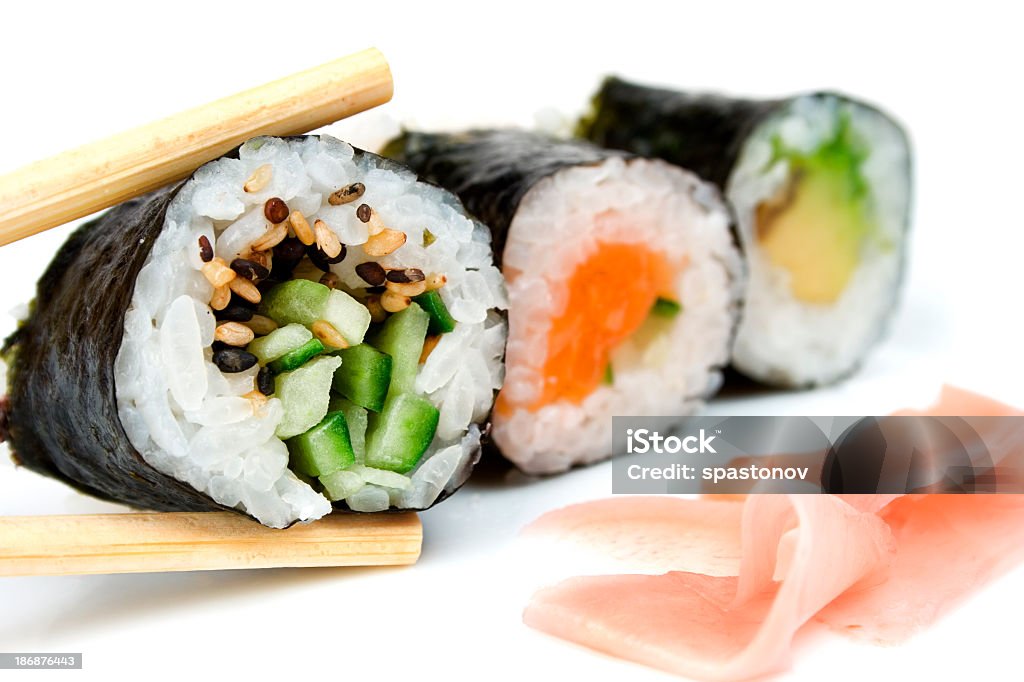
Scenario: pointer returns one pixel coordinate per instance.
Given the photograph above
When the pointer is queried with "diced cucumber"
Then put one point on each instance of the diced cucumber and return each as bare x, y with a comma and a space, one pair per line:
347, 315
402, 338
381, 477
356, 417
441, 321
323, 449
305, 394
666, 307
279, 342
401, 433
364, 376
340, 484
298, 357
296, 301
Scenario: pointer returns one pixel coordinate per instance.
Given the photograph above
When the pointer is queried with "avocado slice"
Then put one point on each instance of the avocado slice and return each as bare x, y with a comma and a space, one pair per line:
817, 224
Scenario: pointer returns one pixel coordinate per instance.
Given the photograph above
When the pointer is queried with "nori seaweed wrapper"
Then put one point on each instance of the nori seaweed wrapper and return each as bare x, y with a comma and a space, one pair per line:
62, 410
60, 415
701, 132
492, 170
704, 133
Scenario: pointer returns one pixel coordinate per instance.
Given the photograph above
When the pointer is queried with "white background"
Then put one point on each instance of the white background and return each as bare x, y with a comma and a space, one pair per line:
71, 74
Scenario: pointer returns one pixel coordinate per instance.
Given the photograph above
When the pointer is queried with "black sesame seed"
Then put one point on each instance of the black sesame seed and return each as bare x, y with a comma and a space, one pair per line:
245, 303
321, 260
372, 273
235, 312
205, 249
265, 381
233, 360
406, 276
250, 270
287, 255
290, 249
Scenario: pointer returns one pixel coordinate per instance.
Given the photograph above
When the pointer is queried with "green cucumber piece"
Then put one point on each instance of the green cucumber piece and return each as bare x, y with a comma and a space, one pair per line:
402, 338
356, 417
298, 357
382, 477
666, 307
364, 376
323, 449
279, 342
441, 321
305, 394
401, 433
347, 315
340, 484
609, 375
295, 301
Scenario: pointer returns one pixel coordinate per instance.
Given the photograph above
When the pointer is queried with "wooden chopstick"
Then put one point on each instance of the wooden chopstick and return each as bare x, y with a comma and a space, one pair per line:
101, 174
153, 541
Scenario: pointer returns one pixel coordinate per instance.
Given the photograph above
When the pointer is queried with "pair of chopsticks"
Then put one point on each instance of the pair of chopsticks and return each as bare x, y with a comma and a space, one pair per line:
96, 176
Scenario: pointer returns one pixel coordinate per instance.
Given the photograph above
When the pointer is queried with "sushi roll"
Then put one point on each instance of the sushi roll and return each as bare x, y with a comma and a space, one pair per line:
299, 326
821, 187
622, 280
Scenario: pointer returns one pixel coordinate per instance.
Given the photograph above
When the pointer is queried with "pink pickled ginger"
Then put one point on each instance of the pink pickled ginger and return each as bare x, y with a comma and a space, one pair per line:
744, 576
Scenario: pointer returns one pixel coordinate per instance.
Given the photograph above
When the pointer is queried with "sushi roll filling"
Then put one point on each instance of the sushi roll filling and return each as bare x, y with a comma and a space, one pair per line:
609, 296
303, 348
316, 391
816, 224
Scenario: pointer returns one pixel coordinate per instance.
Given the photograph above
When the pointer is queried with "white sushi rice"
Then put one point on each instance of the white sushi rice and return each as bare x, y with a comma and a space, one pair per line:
559, 224
189, 420
781, 339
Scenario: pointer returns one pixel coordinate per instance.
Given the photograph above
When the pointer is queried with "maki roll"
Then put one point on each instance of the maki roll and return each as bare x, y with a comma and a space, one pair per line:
622, 280
299, 324
820, 185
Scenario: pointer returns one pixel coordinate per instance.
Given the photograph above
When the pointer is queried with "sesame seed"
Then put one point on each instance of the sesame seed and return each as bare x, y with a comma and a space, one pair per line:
328, 334
271, 238
372, 273
326, 240
233, 360
394, 302
301, 228
364, 212
259, 179
436, 280
410, 289
221, 298
218, 273
405, 275
245, 289
261, 325
249, 269
386, 242
265, 381
275, 210
347, 194
377, 312
330, 280
205, 249
233, 334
